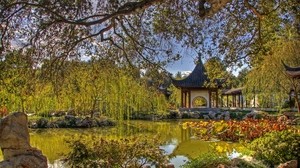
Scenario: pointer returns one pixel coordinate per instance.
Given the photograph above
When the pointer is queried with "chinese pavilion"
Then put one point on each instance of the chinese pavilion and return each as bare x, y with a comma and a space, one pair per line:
194, 92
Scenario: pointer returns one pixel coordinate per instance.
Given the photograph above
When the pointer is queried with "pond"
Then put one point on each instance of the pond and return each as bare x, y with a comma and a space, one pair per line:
178, 142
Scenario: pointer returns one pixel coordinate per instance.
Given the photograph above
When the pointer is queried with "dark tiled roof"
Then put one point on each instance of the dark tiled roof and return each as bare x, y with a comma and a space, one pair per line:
294, 72
288, 68
195, 80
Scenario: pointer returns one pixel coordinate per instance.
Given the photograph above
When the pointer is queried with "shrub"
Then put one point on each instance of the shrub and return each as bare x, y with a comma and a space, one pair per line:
42, 123
226, 155
208, 160
46, 114
173, 115
241, 163
232, 130
185, 115
276, 147
237, 115
124, 153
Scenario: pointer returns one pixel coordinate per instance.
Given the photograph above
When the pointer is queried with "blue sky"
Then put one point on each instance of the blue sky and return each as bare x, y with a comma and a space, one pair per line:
186, 63
187, 60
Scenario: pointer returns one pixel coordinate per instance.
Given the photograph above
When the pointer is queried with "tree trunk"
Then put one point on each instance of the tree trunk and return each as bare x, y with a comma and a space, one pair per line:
93, 108
22, 105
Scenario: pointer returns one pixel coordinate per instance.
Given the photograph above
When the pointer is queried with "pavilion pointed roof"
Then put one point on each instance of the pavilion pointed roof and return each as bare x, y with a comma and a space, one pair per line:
196, 79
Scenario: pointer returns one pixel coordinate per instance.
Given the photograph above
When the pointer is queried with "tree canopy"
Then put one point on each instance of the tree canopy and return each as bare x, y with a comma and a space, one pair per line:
143, 31
218, 74
83, 88
143, 34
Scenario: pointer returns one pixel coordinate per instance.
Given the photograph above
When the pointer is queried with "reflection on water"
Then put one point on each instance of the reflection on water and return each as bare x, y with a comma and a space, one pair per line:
179, 160
177, 141
170, 147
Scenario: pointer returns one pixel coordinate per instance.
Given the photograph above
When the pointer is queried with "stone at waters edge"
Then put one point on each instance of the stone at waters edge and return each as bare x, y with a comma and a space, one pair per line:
289, 164
15, 144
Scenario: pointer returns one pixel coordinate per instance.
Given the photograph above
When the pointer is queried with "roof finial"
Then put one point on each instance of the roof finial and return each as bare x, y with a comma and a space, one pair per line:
198, 60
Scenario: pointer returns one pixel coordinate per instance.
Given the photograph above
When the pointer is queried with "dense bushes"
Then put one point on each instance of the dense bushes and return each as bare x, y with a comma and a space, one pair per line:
124, 153
270, 141
216, 159
277, 147
232, 130
211, 160
208, 160
70, 121
272, 149
238, 115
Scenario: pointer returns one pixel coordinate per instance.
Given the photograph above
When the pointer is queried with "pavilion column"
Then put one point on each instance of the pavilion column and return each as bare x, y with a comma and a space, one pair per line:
222, 104
227, 101
242, 100
190, 99
185, 99
234, 104
182, 98
233, 101
217, 98
239, 99
209, 98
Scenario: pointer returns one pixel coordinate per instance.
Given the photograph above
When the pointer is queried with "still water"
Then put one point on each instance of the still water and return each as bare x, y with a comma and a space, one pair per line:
179, 143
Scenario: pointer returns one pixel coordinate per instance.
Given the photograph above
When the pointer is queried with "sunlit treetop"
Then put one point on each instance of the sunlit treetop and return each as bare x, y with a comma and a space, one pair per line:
144, 32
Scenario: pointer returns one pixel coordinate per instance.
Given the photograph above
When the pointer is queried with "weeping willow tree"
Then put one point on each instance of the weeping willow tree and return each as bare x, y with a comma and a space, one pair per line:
84, 88
17, 80
268, 79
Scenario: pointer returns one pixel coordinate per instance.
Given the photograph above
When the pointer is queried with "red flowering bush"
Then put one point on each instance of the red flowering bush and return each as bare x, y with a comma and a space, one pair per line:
232, 130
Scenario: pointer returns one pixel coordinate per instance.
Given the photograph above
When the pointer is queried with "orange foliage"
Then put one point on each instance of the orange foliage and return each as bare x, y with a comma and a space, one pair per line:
3, 111
232, 130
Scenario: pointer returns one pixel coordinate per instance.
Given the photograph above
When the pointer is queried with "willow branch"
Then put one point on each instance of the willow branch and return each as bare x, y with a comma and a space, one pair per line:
256, 12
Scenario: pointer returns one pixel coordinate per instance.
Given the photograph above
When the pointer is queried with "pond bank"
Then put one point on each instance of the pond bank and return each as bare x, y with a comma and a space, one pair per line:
70, 121
65, 120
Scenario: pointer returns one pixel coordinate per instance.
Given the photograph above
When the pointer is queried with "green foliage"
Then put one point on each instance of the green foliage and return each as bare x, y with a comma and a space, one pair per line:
277, 147
208, 160
238, 115
124, 153
268, 79
216, 70
220, 154
80, 87
16, 81
241, 78
175, 98
241, 163
215, 158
